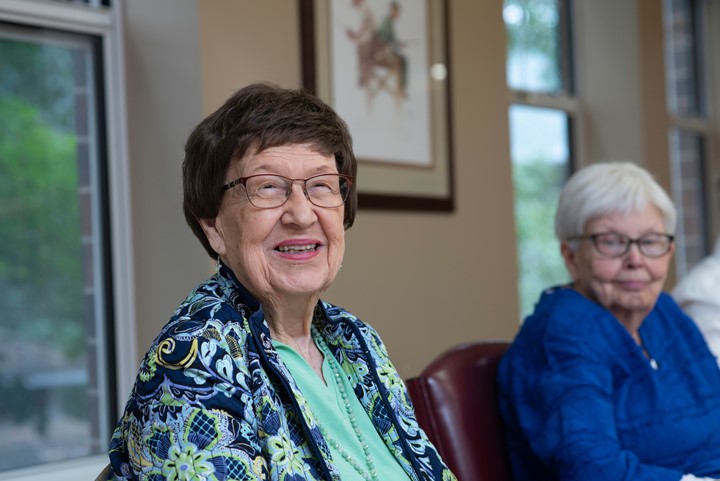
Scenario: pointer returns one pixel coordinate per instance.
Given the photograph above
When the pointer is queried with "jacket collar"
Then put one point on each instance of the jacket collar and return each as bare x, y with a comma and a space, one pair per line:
235, 291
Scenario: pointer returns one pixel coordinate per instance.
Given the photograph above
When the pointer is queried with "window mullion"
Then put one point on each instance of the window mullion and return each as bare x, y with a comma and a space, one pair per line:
539, 99
696, 124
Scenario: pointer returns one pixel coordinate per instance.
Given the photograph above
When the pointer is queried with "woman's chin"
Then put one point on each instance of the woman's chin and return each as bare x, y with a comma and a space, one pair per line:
302, 287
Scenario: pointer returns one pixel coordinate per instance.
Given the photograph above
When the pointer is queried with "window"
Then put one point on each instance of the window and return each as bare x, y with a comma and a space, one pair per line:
539, 139
58, 377
687, 99
539, 76
54, 252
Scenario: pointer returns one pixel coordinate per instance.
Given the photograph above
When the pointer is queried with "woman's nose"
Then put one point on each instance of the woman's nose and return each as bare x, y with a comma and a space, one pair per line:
298, 208
633, 256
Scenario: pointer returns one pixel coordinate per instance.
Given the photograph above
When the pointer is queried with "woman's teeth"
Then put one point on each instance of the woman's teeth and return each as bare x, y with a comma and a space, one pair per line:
304, 248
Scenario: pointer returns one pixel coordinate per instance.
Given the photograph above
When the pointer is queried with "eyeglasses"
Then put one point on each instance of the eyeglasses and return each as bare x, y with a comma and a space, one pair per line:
267, 191
612, 244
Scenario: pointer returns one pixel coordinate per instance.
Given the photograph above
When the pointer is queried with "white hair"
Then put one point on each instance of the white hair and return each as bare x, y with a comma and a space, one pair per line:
609, 188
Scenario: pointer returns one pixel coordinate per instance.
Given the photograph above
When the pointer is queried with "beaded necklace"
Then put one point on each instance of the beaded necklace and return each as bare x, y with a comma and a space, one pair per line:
371, 473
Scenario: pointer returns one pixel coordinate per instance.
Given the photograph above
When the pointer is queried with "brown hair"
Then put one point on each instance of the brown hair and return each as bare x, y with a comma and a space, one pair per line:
258, 117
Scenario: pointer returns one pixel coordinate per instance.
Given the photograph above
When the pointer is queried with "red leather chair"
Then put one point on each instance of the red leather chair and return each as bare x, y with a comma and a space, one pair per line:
455, 401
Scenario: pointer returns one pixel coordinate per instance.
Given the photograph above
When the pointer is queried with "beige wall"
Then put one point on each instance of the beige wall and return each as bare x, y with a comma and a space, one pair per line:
163, 103
426, 281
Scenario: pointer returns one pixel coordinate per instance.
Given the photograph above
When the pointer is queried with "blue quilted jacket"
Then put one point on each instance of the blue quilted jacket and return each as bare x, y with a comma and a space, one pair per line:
213, 401
582, 401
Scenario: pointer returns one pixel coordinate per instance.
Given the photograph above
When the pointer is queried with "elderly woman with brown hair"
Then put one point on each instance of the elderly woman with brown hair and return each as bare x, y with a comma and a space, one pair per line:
608, 379
255, 377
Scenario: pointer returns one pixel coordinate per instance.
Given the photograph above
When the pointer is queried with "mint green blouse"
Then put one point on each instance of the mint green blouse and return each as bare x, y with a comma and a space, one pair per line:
328, 407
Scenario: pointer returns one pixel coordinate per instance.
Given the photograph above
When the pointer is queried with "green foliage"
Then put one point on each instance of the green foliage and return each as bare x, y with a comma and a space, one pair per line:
537, 188
41, 258
537, 29
40, 253
42, 76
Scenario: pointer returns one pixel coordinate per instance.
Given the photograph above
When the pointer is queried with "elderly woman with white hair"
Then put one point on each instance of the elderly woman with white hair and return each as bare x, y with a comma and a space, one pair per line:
608, 379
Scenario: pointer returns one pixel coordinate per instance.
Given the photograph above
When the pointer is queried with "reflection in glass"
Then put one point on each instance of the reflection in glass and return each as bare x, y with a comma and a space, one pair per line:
682, 54
49, 384
540, 155
534, 56
687, 151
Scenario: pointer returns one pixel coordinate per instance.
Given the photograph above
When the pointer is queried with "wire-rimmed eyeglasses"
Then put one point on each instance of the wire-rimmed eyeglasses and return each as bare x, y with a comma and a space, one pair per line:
267, 191
612, 244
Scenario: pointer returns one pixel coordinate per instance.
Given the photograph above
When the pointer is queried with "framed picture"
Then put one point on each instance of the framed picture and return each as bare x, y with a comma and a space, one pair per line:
383, 66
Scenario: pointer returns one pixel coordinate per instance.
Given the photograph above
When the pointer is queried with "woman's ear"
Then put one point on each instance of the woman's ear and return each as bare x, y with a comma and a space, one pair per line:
214, 233
569, 254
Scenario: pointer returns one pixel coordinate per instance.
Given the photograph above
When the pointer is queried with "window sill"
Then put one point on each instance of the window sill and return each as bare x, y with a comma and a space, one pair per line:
85, 468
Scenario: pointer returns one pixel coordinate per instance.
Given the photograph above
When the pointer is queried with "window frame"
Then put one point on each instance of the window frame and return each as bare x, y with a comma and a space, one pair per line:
712, 79
106, 24
705, 124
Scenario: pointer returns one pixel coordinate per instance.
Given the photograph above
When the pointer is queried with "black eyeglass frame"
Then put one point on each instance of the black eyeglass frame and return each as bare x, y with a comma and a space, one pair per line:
243, 181
630, 241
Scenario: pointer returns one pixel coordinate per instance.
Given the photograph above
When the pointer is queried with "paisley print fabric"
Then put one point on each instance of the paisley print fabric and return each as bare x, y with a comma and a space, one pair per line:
213, 401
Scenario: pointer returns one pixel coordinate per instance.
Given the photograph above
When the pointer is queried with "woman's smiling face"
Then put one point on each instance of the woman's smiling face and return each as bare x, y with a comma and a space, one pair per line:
294, 250
628, 285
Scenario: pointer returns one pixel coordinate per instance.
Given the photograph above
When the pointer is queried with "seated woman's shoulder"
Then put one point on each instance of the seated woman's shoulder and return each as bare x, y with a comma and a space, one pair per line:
564, 309
204, 327
563, 324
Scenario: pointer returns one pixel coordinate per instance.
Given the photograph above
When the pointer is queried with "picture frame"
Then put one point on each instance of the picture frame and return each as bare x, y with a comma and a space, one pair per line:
390, 83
